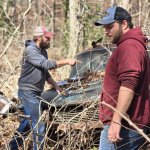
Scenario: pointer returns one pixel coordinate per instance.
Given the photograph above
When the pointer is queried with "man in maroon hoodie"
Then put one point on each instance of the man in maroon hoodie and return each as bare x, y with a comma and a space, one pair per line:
126, 83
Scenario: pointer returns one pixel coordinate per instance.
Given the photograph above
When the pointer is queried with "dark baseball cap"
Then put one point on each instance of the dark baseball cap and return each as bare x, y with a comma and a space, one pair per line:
113, 14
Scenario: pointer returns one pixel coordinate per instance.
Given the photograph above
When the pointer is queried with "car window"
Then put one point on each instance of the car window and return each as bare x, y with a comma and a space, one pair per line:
84, 66
98, 61
92, 61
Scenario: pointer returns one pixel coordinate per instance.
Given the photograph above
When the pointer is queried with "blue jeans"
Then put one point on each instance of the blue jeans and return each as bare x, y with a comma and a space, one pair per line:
31, 104
131, 140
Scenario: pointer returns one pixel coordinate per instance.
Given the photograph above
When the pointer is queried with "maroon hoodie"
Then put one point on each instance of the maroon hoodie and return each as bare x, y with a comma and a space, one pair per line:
128, 66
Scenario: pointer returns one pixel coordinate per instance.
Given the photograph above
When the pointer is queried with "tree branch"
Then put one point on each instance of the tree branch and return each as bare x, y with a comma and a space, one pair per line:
16, 30
128, 120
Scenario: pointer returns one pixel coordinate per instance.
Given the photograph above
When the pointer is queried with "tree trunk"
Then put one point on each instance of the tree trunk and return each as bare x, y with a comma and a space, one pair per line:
53, 22
122, 3
125, 4
112, 2
75, 27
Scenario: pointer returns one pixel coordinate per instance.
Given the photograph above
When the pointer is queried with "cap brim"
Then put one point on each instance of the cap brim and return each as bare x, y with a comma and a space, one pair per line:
49, 34
103, 22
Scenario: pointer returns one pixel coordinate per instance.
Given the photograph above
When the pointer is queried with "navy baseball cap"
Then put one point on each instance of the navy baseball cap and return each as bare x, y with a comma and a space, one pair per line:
113, 14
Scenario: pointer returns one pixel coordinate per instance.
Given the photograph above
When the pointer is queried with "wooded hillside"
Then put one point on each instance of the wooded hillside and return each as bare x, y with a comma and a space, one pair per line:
72, 21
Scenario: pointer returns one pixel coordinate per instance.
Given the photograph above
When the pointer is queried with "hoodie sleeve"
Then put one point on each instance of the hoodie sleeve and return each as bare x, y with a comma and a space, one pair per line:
34, 57
130, 61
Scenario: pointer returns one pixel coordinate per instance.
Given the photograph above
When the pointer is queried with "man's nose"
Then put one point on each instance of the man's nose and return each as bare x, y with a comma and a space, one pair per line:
105, 29
107, 32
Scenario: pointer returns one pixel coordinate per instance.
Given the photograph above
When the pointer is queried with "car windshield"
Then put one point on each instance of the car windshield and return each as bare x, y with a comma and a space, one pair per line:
91, 61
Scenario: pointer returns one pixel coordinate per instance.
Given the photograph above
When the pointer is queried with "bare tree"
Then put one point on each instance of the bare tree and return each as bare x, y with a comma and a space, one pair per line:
122, 3
112, 2
75, 26
125, 4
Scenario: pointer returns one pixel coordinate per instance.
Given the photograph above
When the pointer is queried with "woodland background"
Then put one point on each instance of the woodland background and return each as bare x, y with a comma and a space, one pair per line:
73, 24
71, 20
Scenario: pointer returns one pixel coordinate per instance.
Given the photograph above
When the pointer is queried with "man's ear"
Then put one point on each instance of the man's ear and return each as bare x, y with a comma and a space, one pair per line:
124, 24
39, 39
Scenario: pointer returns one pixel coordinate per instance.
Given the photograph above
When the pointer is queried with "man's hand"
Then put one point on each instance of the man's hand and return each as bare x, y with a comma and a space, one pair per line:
73, 61
114, 132
60, 91
102, 74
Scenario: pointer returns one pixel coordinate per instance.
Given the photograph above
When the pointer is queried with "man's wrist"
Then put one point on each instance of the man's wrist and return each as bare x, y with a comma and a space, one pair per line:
67, 61
116, 118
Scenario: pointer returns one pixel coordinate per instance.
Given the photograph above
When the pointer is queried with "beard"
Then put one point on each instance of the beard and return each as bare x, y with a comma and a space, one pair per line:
117, 35
44, 45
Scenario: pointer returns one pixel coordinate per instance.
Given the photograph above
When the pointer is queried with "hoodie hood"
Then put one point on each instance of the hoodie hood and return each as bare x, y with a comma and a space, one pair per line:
29, 42
136, 34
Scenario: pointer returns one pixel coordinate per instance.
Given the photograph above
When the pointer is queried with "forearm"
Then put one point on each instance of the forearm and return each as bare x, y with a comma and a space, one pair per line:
61, 63
124, 100
64, 62
51, 81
